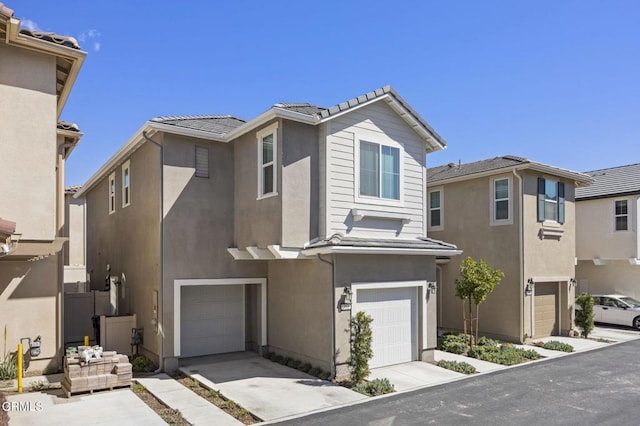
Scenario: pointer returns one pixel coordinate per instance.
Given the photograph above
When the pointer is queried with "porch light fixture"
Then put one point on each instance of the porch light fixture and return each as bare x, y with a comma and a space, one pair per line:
432, 286
528, 290
345, 302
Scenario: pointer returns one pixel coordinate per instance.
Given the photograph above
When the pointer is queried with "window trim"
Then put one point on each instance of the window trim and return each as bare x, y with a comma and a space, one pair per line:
270, 130
560, 201
366, 199
440, 227
492, 204
111, 193
615, 215
126, 186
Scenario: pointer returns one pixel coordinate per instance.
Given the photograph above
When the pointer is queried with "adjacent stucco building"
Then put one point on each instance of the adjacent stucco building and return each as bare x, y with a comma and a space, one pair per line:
519, 216
269, 234
607, 238
37, 72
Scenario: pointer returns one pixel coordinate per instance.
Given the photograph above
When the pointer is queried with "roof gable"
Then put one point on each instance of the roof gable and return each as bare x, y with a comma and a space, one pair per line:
615, 181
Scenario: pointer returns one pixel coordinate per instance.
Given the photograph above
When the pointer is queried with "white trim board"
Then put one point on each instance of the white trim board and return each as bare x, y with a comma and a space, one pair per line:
177, 295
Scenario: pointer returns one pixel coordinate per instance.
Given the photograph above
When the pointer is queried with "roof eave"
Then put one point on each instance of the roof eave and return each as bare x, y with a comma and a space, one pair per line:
185, 131
380, 250
268, 115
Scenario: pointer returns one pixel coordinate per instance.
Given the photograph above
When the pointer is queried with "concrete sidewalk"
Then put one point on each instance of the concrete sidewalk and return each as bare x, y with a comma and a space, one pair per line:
195, 409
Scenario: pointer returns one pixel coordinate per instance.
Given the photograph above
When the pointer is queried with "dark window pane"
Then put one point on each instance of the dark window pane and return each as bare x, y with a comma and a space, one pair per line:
621, 223
369, 169
502, 210
435, 217
621, 207
267, 179
434, 199
267, 149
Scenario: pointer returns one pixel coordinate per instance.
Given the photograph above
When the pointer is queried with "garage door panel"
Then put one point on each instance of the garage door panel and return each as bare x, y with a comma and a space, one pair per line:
211, 319
394, 325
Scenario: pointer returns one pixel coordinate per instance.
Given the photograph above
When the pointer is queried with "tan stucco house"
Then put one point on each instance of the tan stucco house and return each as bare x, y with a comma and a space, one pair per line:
269, 234
607, 237
37, 72
519, 216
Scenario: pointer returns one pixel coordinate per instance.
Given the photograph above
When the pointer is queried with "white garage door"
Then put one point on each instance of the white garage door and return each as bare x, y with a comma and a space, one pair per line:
212, 320
394, 326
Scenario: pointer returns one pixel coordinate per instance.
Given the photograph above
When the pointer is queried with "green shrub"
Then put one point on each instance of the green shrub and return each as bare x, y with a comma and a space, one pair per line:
315, 371
286, 360
294, 363
585, 315
485, 341
554, 345
9, 367
361, 346
142, 364
278, 358
505, 354
324, 375
460, 367
375, 387
454, 343
306, 367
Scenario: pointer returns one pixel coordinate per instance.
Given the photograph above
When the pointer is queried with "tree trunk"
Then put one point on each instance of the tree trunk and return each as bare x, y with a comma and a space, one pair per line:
470, 323
477, 320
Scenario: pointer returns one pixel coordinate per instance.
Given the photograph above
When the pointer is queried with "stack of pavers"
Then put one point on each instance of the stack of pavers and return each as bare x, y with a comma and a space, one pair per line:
110, 371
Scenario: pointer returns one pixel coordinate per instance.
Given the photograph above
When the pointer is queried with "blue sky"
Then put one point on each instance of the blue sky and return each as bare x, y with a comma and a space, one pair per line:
554, 81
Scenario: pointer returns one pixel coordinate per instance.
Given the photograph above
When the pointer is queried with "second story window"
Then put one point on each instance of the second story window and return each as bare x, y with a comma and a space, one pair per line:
379, 171
435, 210
112, 193
126, 184
267, 156
550, 200
501, 201
622, 215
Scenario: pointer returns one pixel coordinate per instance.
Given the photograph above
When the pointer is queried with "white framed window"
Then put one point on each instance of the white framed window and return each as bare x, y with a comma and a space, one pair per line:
202, 162
126, 184
621, 215
501, 204
112, 193
550, 200
436, 205
379, 173
267, 161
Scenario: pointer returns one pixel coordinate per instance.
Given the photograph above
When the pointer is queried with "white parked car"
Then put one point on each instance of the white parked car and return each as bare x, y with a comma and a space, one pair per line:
617, 309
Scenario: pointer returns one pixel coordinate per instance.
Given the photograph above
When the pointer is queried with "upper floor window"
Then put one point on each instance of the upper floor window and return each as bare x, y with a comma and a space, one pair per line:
550, 200
126, 184
501, 201
202, 162
435, 210
112, 193
622, 215
267, 156
379, 171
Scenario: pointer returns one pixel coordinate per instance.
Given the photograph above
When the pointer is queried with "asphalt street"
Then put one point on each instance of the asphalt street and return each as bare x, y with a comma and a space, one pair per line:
600, 387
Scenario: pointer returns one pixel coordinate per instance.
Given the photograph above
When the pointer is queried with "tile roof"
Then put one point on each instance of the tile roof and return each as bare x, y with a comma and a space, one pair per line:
218, 124
6, 226
302, 108
5, 11
53, 38
419, 243
497, 164
65, 125
72, 189
615, 181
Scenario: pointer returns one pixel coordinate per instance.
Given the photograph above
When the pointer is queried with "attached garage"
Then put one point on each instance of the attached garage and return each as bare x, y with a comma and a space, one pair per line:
546, 309
212, 320
395, 323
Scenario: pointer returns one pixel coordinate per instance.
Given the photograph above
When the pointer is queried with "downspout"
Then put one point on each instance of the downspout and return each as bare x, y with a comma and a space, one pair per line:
333, 314
521, 249
160, 318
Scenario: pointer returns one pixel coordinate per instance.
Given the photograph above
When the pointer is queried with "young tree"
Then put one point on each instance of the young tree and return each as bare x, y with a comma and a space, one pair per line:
477, 280
361, 346
585, 315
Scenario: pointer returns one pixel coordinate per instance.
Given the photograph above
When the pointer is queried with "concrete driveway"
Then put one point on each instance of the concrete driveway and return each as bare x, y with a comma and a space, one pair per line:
269, 390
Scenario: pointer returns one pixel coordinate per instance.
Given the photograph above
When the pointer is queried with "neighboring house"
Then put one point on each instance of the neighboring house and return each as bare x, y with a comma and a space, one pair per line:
37, 72
75, 271
519, 216
270, 234
607, 237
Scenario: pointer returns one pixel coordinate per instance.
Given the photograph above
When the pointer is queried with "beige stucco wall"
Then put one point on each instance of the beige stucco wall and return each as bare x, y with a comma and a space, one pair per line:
129, 239
257, 222
300, 310
30, 307
616, 277
466, 212
596, 237
74, 229
28, 103
198, 224
351, 269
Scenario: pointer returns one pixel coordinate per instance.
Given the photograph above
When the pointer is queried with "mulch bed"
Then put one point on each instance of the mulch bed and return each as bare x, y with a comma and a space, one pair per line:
169, 415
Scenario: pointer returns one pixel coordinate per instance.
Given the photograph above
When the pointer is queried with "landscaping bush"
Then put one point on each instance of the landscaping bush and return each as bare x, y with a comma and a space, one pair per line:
460, 367
142, 364
505, 354
306, 367
554, 345
375, 387
286, 360
361, 346
9, 367
585, 315
315, 371
454, 343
